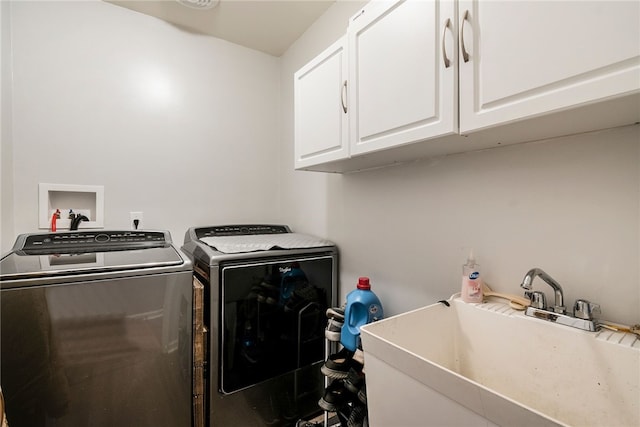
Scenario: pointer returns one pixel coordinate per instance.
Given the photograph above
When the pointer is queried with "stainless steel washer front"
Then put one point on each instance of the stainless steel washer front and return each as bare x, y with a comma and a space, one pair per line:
97, 330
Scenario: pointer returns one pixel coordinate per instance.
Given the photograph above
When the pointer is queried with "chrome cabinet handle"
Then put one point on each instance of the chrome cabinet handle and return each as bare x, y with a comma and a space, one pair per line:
342, 96
446, 60
465, 54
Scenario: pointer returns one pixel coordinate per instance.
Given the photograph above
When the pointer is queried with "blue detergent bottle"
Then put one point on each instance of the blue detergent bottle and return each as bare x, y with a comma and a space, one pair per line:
363, 306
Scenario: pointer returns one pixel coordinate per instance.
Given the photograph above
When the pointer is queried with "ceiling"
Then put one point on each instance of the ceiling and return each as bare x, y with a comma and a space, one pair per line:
270, 26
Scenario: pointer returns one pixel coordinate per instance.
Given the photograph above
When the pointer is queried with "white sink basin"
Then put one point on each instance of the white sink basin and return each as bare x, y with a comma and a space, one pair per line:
488, 364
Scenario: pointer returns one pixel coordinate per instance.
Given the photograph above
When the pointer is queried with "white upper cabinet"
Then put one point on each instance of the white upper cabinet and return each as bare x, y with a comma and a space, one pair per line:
402, 74
436, 77
520, 59
321, 127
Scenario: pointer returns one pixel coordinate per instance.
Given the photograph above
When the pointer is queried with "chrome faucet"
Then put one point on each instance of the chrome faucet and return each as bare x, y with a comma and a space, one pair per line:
527, 283
583, 310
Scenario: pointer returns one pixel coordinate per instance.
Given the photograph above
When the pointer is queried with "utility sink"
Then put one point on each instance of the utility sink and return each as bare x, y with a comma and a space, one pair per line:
488, 364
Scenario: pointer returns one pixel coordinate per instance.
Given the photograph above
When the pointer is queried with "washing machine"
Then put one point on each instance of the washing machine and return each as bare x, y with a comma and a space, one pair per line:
98, 328
266, 291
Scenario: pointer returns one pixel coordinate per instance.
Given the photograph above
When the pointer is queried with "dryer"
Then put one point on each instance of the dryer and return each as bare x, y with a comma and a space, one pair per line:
267, 290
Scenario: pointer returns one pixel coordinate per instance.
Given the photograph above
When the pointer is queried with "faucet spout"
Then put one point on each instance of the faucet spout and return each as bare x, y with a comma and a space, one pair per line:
527, 283
75, 223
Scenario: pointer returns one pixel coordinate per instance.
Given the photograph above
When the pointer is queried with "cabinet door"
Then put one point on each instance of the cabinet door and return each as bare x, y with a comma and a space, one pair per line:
527, 58
321, 132
400, 89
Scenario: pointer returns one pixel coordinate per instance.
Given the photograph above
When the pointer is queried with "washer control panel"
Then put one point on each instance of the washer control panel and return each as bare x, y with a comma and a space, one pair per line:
94, 240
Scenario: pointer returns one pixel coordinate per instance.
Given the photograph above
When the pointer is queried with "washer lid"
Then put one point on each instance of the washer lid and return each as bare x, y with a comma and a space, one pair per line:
38, 255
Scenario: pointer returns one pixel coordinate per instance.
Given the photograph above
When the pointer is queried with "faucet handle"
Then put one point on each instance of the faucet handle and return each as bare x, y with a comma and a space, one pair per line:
538, 299
584, 309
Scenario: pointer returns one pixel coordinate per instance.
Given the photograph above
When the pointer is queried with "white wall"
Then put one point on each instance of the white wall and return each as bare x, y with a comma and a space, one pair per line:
181, 126
305, 195
6, 145
570, 206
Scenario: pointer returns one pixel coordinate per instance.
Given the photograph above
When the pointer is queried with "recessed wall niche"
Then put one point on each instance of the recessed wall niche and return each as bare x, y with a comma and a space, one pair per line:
87, 200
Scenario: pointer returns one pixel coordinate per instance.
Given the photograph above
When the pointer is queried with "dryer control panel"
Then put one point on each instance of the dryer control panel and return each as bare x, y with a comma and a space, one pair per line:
240, 230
